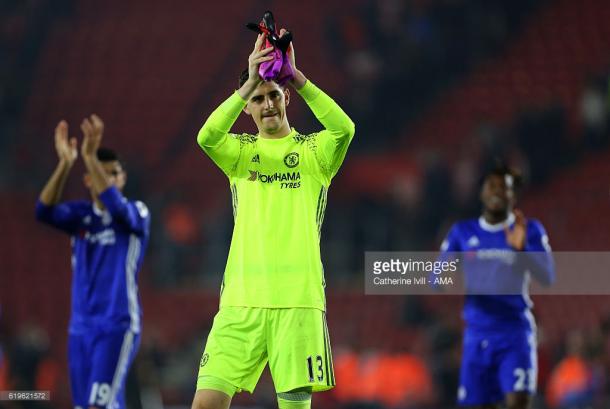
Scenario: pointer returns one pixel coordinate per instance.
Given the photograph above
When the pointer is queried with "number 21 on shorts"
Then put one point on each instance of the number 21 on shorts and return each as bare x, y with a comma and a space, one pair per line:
316, 363
525, 380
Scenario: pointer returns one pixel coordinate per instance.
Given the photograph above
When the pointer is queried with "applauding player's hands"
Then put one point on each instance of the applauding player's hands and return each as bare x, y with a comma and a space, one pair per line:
299, 79
258, 55
290, 51
515, 237
93, 129
67, 153
66, 147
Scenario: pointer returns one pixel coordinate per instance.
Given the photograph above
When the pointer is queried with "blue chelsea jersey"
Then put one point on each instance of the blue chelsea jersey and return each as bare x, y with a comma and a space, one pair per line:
107, 251
497, 290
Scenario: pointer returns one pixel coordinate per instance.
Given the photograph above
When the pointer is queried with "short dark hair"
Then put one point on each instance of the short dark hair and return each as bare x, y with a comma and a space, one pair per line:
243, 77
108, 155
502, 169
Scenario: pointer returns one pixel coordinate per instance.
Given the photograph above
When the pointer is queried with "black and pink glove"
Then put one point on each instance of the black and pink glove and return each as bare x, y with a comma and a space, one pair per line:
279, 68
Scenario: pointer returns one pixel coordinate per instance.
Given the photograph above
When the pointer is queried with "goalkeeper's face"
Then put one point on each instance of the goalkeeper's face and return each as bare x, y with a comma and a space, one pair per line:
267, 106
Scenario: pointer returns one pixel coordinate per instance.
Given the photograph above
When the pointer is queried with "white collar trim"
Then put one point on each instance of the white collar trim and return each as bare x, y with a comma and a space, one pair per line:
97, 210
493, 228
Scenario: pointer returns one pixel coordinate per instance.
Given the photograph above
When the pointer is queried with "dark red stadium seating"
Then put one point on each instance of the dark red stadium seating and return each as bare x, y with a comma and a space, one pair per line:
550, 60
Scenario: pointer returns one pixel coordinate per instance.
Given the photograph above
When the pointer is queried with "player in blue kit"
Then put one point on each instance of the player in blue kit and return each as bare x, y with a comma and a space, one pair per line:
109, 235
500, 249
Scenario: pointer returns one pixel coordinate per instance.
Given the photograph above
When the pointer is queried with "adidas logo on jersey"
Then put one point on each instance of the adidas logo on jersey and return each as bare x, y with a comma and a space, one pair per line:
473, 242
256, 159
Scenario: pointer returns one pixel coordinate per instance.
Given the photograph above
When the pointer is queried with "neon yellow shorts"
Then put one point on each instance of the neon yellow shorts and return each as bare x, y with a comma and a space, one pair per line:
293, 340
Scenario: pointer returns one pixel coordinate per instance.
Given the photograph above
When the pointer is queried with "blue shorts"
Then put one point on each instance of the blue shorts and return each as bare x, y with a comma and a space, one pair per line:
495, 365
98, 362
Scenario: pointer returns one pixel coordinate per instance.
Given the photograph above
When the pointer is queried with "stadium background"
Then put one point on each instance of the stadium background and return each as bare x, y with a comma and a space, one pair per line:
437, 88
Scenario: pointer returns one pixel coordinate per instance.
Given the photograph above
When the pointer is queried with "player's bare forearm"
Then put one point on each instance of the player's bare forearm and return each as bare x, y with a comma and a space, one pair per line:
299, 80
53, 189
93, 130
67, 153
250, 85
246, 90
99, 179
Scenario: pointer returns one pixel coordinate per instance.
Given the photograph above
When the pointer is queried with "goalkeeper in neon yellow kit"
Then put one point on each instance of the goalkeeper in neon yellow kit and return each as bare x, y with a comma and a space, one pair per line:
272, 306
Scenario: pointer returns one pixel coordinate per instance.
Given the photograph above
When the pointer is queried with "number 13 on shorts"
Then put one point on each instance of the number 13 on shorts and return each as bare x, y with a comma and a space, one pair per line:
315, 366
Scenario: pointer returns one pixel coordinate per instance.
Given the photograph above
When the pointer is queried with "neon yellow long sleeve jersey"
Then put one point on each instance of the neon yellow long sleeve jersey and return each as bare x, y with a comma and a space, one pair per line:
278, 189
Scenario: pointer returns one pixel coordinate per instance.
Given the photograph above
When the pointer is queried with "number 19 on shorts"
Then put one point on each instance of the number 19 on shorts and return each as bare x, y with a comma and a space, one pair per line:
315, 367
